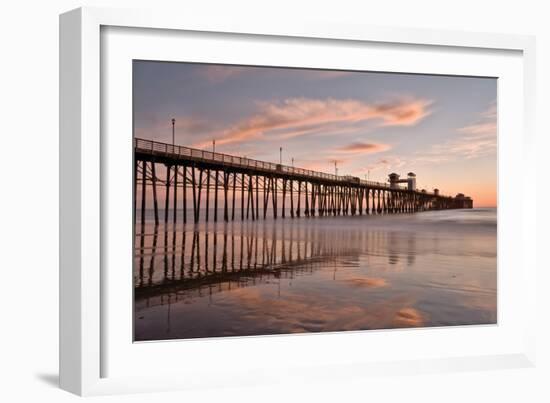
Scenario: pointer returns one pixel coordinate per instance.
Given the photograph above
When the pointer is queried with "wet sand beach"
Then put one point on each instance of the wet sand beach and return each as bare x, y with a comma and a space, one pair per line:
435, 268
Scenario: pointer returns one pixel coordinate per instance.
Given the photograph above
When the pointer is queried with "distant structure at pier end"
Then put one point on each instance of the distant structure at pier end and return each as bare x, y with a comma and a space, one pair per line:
463, 201
410, 181
460, 200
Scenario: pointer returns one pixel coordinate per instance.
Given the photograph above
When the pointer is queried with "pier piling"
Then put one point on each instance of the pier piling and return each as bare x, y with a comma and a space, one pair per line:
311, 193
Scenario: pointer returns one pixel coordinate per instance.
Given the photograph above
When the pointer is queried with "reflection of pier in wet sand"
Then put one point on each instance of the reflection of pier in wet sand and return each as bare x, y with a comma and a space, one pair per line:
270, 277
218, 258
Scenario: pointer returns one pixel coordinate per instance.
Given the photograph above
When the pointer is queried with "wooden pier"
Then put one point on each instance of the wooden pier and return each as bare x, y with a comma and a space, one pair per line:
217, 182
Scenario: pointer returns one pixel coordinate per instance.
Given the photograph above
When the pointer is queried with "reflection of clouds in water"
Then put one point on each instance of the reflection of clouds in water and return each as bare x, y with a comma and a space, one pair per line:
313, 275
299, 313
369, 282
408, 317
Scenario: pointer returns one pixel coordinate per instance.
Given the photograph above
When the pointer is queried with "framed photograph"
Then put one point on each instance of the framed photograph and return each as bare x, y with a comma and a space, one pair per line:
276, 198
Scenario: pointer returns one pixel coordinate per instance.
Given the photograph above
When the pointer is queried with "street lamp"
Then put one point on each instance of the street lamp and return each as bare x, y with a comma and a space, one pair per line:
213, 146
173, 131
280, 155
292, 162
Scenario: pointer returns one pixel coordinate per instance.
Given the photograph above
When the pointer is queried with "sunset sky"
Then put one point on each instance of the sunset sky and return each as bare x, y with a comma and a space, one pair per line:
442, 128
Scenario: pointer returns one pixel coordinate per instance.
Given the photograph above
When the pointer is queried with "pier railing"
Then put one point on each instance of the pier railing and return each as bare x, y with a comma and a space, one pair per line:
322, 193
243, 162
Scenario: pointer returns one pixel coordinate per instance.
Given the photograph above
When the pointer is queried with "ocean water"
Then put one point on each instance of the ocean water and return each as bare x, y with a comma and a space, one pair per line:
280, 276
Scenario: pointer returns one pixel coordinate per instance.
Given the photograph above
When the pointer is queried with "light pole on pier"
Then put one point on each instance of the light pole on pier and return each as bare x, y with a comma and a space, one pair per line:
335, 168
173, 131
292, 162
280, 155
213, 146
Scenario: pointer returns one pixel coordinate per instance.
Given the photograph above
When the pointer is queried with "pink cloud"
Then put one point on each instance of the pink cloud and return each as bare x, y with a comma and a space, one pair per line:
361, 147
473, 146
387, 163
299, 116
480, 128
479, 139
491, 112
406, 112
476, 140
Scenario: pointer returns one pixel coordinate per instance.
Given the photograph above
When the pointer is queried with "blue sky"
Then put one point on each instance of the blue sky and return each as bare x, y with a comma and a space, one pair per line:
441, 127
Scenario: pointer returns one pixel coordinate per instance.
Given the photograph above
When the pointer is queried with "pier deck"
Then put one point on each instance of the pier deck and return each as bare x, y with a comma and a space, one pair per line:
266, 186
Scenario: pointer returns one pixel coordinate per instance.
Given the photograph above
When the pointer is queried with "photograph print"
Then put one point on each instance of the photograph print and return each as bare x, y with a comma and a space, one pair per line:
274, 200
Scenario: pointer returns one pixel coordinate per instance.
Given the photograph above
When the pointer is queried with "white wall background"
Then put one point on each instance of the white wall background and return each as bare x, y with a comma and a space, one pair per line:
29, 202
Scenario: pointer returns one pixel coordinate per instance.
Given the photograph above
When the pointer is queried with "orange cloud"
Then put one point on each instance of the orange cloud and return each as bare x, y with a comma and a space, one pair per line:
360, 147
404, 113
299, 116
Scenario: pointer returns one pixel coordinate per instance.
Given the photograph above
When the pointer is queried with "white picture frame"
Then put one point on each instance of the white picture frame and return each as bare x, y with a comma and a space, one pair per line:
88, 320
